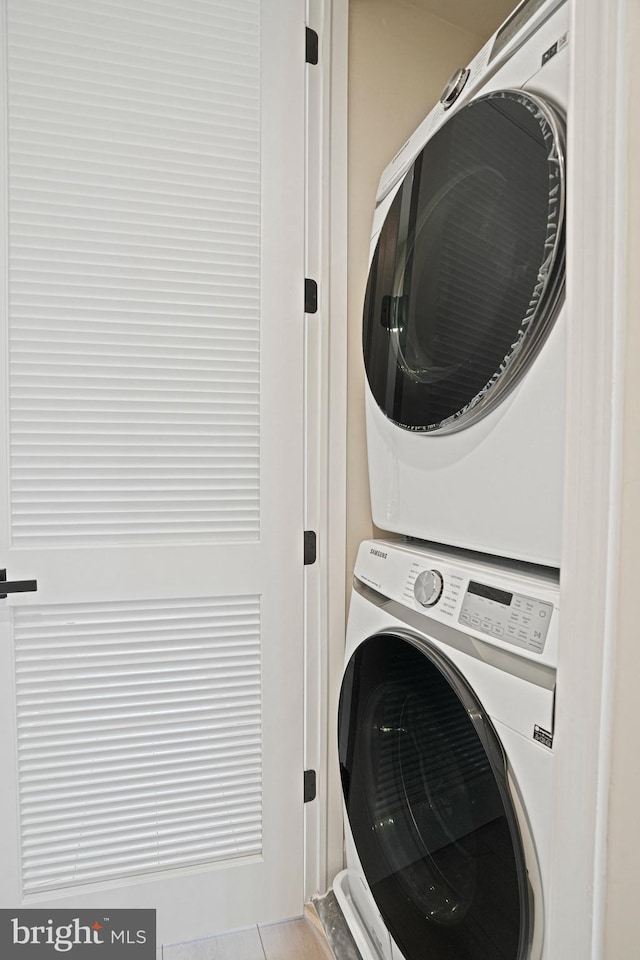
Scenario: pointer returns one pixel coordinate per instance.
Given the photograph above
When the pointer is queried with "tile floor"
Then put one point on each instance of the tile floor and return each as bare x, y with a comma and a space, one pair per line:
290, 940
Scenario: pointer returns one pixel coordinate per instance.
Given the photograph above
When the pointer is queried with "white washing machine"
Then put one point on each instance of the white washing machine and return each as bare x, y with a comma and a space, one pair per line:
445, 736
463, 327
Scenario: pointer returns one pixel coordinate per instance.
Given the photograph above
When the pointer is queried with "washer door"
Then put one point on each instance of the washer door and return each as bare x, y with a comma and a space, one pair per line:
469, 267
424, 783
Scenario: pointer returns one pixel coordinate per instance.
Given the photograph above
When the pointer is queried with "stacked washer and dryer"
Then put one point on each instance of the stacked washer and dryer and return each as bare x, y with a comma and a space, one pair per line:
445, 727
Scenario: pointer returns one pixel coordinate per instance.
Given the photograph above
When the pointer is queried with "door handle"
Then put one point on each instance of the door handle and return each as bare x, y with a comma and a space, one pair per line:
15, 586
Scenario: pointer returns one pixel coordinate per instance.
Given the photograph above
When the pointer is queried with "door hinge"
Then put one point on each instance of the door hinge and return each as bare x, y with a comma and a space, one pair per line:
312, 46
309, 785
310, 548
310, 296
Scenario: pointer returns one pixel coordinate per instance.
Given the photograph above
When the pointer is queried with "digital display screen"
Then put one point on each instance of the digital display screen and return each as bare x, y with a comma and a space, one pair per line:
490, 593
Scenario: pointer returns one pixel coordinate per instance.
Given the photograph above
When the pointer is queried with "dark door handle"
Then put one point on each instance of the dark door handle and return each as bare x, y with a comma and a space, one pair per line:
15, 586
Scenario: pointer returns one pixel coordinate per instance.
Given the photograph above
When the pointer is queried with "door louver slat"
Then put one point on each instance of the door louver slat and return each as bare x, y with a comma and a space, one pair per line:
146, 755
134, 204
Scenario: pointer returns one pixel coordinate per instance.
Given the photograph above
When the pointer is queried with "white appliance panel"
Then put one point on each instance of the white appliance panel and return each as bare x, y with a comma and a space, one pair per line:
495, 485
420, 593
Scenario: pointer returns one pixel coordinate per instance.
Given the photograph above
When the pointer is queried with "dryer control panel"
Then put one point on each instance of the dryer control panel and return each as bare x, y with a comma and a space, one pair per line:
512, 617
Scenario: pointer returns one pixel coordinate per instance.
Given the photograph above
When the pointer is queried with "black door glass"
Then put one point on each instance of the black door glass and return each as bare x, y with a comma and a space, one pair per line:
469, 266
429, 810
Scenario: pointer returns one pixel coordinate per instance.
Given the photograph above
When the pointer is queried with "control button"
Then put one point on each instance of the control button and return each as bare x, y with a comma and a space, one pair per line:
486, 625
475, 621
542, 614
464, 617
428, 587
498, 630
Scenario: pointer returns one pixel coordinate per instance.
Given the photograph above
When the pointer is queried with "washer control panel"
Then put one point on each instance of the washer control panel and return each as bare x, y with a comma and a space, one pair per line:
497, 601
511, 617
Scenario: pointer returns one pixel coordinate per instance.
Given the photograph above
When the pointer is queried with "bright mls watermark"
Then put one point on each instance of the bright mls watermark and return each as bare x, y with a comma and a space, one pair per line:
36, 934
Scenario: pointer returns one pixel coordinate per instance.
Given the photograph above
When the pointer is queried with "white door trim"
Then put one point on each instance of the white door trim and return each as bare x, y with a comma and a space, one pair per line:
326, 416
598, 179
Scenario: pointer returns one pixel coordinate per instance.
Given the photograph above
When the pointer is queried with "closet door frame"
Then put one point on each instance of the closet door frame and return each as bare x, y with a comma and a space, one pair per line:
326, 433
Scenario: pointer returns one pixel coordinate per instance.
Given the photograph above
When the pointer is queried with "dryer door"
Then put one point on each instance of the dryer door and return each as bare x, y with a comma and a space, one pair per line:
468, 271
425, 790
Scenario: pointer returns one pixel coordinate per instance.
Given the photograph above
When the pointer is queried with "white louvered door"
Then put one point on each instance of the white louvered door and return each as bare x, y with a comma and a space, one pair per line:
152, 458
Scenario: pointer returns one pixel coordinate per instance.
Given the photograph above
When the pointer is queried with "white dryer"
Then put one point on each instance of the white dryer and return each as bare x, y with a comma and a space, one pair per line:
463, 327
445, 734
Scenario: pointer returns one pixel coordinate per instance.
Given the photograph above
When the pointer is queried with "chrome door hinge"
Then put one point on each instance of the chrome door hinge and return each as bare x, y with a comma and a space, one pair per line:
312, 45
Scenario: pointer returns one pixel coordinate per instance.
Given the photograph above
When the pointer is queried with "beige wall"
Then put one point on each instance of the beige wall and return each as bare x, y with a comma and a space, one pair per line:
400, 57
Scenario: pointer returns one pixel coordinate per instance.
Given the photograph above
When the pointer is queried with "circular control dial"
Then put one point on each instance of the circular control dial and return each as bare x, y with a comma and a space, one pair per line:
428, 587
454, 87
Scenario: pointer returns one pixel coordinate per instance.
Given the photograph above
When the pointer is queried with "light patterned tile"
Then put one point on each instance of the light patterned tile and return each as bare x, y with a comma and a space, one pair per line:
243, 945
294, 940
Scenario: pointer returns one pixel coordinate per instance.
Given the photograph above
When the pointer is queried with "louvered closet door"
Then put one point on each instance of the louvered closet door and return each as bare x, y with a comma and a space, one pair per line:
151, 689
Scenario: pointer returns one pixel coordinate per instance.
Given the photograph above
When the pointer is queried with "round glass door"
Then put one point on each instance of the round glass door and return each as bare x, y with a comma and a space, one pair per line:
468, 271
423, 778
